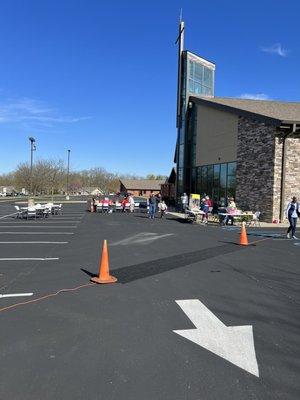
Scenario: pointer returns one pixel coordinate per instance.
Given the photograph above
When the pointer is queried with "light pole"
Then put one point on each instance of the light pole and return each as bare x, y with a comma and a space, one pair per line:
68, 171
32, 149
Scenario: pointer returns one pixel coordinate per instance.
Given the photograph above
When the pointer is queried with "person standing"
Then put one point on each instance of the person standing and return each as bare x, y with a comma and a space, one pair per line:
131, 202
152, 206
124, 203
162, 208
184, 201
231, 209
292, 213
206, 203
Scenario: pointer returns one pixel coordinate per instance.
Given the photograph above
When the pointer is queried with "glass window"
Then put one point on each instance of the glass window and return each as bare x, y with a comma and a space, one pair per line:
208, 77
181, 136
181, 155
232, 169
203, 187
180, 175
194, 178
210, 179
223, 175
216, 175
207, 91
197, 88
191, 86
198, 76
191, 69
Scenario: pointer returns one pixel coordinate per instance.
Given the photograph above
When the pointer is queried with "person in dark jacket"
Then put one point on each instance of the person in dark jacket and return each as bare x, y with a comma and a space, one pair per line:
152, 206
292, 213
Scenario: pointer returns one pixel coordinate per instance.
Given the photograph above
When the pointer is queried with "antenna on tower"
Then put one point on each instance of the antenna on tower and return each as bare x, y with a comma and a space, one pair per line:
180, 15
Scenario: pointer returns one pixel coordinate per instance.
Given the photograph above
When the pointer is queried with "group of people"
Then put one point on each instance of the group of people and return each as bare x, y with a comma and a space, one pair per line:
154, 203
205, 206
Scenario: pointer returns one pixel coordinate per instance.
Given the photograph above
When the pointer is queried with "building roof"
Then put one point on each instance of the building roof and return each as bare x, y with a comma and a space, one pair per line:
142, 184
278, 111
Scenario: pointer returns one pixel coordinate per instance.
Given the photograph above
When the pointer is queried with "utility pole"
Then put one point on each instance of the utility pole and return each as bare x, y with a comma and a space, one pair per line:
68, 171
32, 149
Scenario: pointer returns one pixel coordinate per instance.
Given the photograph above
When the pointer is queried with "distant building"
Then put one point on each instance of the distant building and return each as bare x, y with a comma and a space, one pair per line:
7, 190
89, 191
141, 187
168, 188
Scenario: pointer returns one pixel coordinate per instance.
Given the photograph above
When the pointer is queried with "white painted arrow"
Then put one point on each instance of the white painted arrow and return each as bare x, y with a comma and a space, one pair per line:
234, 343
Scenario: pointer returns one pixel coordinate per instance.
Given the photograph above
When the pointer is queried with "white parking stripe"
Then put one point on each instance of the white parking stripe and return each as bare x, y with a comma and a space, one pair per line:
39, 227
36, 233
15, 295
34, 242
29, 259
4, 216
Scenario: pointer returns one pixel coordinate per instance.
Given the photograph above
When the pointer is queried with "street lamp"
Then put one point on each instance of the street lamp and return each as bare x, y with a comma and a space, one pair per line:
32, 149
68, 171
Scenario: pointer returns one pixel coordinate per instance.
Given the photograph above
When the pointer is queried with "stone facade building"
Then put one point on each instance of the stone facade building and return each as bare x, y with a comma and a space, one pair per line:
248, 149
231, 147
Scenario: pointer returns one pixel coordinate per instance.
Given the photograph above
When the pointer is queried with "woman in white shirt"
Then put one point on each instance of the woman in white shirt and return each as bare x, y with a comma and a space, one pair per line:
292, 215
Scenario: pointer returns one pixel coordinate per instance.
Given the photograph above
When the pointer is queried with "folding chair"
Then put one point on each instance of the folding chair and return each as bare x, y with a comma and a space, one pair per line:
31, 212
19, 212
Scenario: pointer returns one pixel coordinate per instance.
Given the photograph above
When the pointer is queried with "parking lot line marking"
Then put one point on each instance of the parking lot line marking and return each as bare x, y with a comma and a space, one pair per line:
39, 227
15, 295
29, 259
36, 233
8, 215
34, 242
43, 222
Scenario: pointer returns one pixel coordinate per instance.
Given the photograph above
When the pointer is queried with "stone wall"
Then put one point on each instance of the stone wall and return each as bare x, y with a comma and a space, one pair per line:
255, 166
277, 178
292, 172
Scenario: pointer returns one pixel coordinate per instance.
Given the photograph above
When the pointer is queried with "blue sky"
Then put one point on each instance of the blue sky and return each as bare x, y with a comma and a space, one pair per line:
99, 78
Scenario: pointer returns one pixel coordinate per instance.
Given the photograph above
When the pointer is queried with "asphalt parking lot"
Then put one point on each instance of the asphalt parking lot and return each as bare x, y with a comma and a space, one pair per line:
160, 332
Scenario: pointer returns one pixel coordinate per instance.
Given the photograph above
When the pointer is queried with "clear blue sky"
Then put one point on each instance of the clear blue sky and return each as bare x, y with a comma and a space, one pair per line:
99, 78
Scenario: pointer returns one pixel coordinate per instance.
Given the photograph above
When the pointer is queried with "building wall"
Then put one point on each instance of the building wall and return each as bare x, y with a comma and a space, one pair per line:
255, 167
292, 172
216, 136
141, 192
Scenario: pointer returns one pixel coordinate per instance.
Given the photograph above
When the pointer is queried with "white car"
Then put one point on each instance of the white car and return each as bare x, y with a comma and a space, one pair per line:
2, 194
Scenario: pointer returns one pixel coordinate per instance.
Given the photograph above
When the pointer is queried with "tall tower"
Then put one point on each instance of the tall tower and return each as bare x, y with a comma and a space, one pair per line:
195, 78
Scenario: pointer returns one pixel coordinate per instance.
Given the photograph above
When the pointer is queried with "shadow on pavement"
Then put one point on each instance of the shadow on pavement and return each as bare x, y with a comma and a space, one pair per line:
139, 271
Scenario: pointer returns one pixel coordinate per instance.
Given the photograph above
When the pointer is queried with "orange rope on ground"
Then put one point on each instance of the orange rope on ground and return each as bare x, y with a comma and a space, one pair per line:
45, 297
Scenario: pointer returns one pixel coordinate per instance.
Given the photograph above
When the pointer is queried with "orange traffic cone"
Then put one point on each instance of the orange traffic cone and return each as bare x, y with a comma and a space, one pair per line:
104, 276
243, 236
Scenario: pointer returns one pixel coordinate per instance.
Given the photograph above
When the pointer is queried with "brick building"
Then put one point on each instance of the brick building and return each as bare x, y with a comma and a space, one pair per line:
168, 188
141, 187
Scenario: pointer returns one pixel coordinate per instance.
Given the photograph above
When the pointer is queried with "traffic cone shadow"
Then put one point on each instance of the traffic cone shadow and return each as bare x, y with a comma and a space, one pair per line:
243, 236
104, 276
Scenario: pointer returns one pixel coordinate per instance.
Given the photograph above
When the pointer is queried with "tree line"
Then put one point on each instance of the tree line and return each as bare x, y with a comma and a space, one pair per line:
50, 177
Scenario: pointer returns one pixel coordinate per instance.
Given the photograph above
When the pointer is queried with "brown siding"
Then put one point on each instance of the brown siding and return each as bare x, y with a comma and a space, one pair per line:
216, 136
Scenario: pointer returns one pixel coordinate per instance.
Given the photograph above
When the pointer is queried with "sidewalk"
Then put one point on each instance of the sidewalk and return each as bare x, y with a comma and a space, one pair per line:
262, 224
